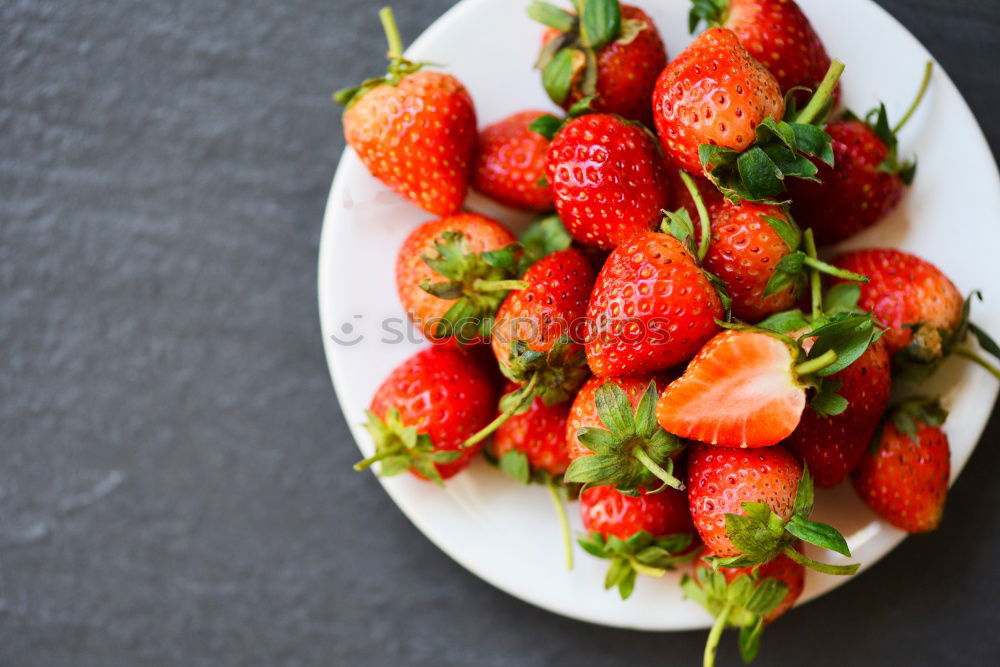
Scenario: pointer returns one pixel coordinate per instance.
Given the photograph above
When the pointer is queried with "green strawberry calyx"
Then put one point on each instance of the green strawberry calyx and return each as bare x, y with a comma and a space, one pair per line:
398, 65
712, 12
640, 554
543, 237
909, 416
930, 345
399, 448
515, 464
633, 450
780, 150
761, 535
478, 282
741, 603
571, 57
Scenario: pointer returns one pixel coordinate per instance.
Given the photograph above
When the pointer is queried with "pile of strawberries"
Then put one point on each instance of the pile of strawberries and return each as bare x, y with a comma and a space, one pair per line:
673, 350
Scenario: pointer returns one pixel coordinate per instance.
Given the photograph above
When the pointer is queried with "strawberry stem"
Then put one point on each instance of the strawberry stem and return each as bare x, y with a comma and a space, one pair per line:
817, 364
815, 283
481, 285
706, 223
966, 353
529, 396
832, 270
821, 98
560, 506
712, 643
391, 35
640, 454
825, 568
375, 458
919, 98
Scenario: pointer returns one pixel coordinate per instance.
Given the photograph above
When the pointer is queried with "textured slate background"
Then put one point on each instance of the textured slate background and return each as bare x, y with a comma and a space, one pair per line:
175, 483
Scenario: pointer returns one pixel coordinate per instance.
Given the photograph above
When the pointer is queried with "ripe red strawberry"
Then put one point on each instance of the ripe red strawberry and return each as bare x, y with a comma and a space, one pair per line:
613, 53
906, 479
453, 273
539, 435
776, 33
613, 439
641, 534
832, 445
905, 291
510, 163
423, 412
607, 179
745, 252
747, 598
716, 93
651, 308
865, 181
749, 506
414, 130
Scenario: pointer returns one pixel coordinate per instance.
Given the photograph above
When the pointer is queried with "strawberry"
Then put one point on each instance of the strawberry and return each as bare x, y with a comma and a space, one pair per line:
865, 181
720, 112
905, 477
510, 163
749, 507
642, 534
923, 310
749, 243
747, 388
832, 445
453, 273
611, 53
531, 447
651, 308
424, 411
415, 130
747, 598
536, 334
607, 179
775, 32
612, 436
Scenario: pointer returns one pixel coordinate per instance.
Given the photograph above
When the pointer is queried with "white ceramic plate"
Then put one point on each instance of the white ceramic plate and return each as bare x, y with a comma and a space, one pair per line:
506, 533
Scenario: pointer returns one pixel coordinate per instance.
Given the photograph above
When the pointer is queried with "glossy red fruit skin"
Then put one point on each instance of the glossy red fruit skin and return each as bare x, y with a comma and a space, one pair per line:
780, 36
832, 446
626, 72
540, 433
721, 479
743, 253
583, 413
652, 308
425, 309
510, 163
906, 483
443, 393
607, 179
707, 76
903, 289
554, 304
418, 138
854, 194
782, 568
604, 510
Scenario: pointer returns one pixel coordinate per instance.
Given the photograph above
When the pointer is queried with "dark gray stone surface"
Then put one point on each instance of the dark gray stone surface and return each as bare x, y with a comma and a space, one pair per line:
175, 483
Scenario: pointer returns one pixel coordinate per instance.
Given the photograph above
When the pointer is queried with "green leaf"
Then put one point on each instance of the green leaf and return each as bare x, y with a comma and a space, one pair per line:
985, 342
594, 544
595, 470
614, 409
600, 22
617, 572
547, 126
627, 584
812, 140
759, 540
789, 320
766, 596
515, 464
848, 335
598, 440
544, 237
749, 640
820, 534
710, 11
827, 402
842, 298
786, 272
786, 229
557, 76
804, 494
645, 423
759, 173
552, 16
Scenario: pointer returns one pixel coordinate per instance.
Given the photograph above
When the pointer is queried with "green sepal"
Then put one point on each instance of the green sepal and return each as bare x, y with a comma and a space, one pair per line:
543, 237
547, 125
848, 334
558, 73
552, 16
786, 229
908, 415
891, 164
640, 554
399, 448
712, 12
600, 22
552, 376
784, 322
632, 451
469, 276
515, 465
